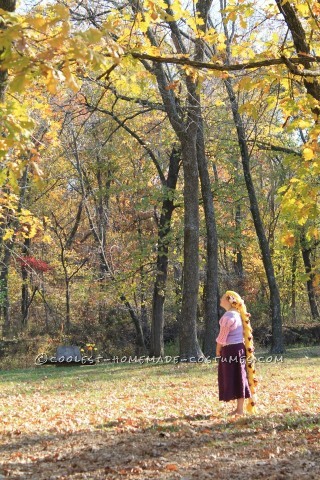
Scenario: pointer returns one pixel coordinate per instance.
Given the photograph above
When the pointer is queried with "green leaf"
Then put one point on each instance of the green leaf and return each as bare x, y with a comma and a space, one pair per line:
18, 83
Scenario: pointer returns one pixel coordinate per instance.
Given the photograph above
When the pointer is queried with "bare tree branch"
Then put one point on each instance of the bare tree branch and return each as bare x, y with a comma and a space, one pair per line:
122, 124
185, 60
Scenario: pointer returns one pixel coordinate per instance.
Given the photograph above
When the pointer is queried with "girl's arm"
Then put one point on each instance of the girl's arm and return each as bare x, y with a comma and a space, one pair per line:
218, 349
226, 324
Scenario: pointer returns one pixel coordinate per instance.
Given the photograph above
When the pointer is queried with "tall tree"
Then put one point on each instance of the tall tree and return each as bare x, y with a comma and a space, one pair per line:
211, 292
186, 130
159, 291
307, 248
277, 345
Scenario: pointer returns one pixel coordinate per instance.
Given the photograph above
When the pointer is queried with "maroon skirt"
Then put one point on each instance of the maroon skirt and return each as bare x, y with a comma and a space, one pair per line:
232, 374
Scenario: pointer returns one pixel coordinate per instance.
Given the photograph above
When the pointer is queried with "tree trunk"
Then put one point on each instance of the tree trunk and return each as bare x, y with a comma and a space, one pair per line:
178, 281
187, 134
4, 277
211, 314
277, 345
302, 47
238, 262
68, 319
188, 341
140, 345
8, 5
25, 301
157, 322
293, 283
102, 213
145, 321
185, 127
306, 255
8, 249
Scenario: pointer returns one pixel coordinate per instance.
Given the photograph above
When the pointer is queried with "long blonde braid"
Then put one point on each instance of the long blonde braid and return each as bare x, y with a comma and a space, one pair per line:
237, 303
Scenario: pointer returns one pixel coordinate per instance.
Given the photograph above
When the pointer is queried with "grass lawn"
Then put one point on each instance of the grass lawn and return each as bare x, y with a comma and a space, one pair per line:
159, 421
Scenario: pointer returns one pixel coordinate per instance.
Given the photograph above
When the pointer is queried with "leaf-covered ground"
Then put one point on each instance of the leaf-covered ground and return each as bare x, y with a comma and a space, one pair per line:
158, 422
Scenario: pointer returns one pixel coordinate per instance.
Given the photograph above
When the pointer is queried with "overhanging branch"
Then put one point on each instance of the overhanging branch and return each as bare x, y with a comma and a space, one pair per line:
297, 71
185, 60
276, 148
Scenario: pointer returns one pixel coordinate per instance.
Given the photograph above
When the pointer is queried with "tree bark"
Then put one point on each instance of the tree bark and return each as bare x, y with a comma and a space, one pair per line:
306, 251
4, 277
293, 284
211, 300
140, 345
8, 249
277, 345
8, 5
68, 313
157, 321
211, 296
238, 262
186, 131
188, 341
301, 45
25, 302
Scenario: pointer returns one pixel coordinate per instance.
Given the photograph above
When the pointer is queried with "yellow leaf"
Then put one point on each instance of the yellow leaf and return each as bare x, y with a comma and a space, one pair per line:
243, 23
303, 9
38, 23
47, 238
52, 79
70, 79
232, 17
9, 232
245, 83
304, 123
288, 239
61, 11
308, 153
92, 35
313, 232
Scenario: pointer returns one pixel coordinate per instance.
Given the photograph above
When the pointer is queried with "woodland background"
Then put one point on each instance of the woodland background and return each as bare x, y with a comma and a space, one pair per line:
154, 154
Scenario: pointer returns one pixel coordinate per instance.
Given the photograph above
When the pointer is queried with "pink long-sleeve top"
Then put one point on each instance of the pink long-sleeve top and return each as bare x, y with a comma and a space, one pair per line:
231, 330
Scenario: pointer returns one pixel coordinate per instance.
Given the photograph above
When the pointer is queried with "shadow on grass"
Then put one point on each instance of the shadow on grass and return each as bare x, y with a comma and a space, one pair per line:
196, 443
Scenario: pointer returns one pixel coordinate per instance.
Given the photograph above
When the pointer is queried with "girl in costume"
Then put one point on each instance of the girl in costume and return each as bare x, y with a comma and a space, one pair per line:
236, 370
